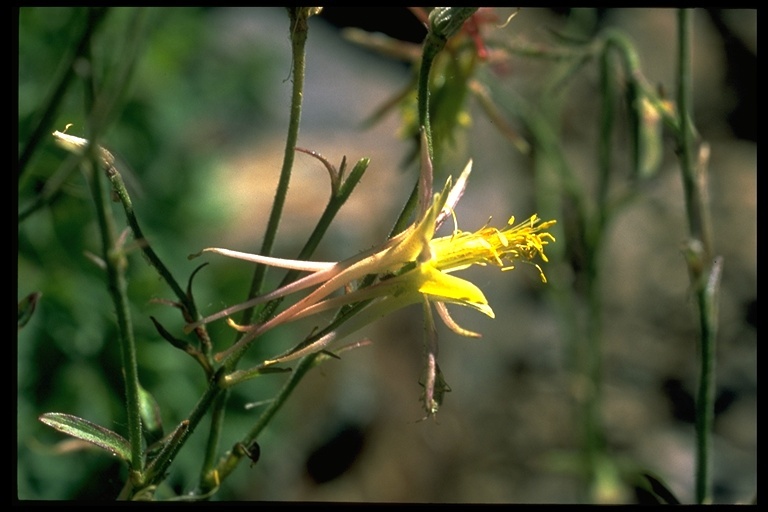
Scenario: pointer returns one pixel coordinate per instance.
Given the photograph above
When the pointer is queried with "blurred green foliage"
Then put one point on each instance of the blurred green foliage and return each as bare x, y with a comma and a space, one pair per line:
190, 97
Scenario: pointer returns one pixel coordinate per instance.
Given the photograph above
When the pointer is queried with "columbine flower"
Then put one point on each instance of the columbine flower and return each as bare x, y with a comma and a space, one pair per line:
412, 267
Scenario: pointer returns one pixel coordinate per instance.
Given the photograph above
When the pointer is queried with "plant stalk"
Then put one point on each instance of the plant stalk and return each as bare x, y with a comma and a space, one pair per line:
705, 275
115, 263
299, 29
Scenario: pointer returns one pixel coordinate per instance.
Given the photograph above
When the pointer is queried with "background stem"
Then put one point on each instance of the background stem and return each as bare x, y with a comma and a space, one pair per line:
704, 273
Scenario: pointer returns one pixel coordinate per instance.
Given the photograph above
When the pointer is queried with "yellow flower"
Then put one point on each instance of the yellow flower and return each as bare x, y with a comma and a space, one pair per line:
412, 267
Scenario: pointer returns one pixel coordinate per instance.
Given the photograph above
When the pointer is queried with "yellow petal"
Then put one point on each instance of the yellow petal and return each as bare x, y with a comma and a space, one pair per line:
448, 288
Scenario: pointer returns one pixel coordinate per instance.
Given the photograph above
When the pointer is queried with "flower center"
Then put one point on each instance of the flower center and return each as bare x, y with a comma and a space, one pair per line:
492, 246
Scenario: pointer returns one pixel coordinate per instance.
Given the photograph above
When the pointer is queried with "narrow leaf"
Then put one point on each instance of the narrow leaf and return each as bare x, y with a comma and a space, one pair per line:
167, 336
87, 431
158, 466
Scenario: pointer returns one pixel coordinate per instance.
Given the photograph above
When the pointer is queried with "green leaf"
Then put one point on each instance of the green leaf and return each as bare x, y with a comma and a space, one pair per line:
176, 342
87, 431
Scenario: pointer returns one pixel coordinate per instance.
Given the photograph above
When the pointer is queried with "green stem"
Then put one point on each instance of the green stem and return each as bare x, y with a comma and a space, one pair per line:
684, 92
594, 231
118, 185
164, 459
592, 362
298, 33
584, 344
233, 457
298, 29
705, 401
212, 446
605, 141
444, 22
334, 205
705, 276
115, 262
692, 185
428, 57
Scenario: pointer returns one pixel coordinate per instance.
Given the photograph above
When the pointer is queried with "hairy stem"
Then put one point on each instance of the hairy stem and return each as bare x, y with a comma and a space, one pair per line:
116, 263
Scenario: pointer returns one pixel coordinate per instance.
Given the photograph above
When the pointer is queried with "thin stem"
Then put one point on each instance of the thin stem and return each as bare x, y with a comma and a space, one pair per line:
212, 446
692, 186
704, 275
118, 185
428, 58
705, 401
163, 461
333, 207
444, 22
298, 29
298, 33
230, 462
593, 236
605, 141
116, 283
592, 363
116, 263
585, 341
